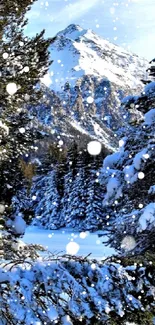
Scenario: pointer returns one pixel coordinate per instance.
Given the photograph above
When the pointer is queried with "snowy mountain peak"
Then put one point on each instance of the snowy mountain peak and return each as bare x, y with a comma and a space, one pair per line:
90, 76
78, 52
72, 31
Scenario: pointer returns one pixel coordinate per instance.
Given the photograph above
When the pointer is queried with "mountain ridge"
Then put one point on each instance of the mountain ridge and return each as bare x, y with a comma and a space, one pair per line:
89, 77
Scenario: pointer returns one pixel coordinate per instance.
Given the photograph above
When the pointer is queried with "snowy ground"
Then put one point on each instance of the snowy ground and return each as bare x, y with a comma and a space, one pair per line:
58, 240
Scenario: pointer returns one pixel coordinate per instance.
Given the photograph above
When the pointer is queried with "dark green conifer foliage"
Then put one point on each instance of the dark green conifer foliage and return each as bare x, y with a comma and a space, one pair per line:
23, 61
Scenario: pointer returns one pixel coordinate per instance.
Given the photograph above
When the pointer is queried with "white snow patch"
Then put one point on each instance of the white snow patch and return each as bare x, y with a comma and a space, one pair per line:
151, 190
149, 117
113, 187
19, 225
111, 160
147, 217
5, 127
149, 88
66, 320
4, 277
129, 98
52, 313
19, 245
129, 172
138, 158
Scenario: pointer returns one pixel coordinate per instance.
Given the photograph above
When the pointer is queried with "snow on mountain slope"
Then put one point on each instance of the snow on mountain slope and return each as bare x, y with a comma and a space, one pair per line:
90, 76
77, 52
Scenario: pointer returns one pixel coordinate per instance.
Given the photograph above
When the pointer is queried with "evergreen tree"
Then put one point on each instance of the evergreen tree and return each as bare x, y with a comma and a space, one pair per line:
68, 184
76, 211
143, 103
23, 62
128, 178
48, 208
68, 179
37, 195
94, 209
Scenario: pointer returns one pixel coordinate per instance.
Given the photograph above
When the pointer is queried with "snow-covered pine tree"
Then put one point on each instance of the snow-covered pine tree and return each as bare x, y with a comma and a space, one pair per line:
107, 292
68, 184
38, 189
49, 207
76, 212
68, 179
94, 207
23, 62
128, 178
143, 103
48, 186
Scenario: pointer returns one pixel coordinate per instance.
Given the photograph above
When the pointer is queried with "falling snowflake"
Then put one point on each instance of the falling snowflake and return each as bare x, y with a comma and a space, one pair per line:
72, 248
60, 143
83, 235
11, 88
98, 242
128, 243
121, 143
2, 208
94, 148
112, 10
141, 175
107, 309
26, 69
5, 55
93, 266
22, 130
90, 100
146, 156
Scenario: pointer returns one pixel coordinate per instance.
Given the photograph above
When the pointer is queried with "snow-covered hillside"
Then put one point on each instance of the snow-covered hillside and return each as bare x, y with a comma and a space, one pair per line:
78, 52
87, 79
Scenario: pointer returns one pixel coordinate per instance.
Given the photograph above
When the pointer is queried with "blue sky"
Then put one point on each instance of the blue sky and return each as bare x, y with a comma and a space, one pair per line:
129, 23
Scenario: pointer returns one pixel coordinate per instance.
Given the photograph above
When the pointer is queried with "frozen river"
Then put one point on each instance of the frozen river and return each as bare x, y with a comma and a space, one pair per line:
69, 241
